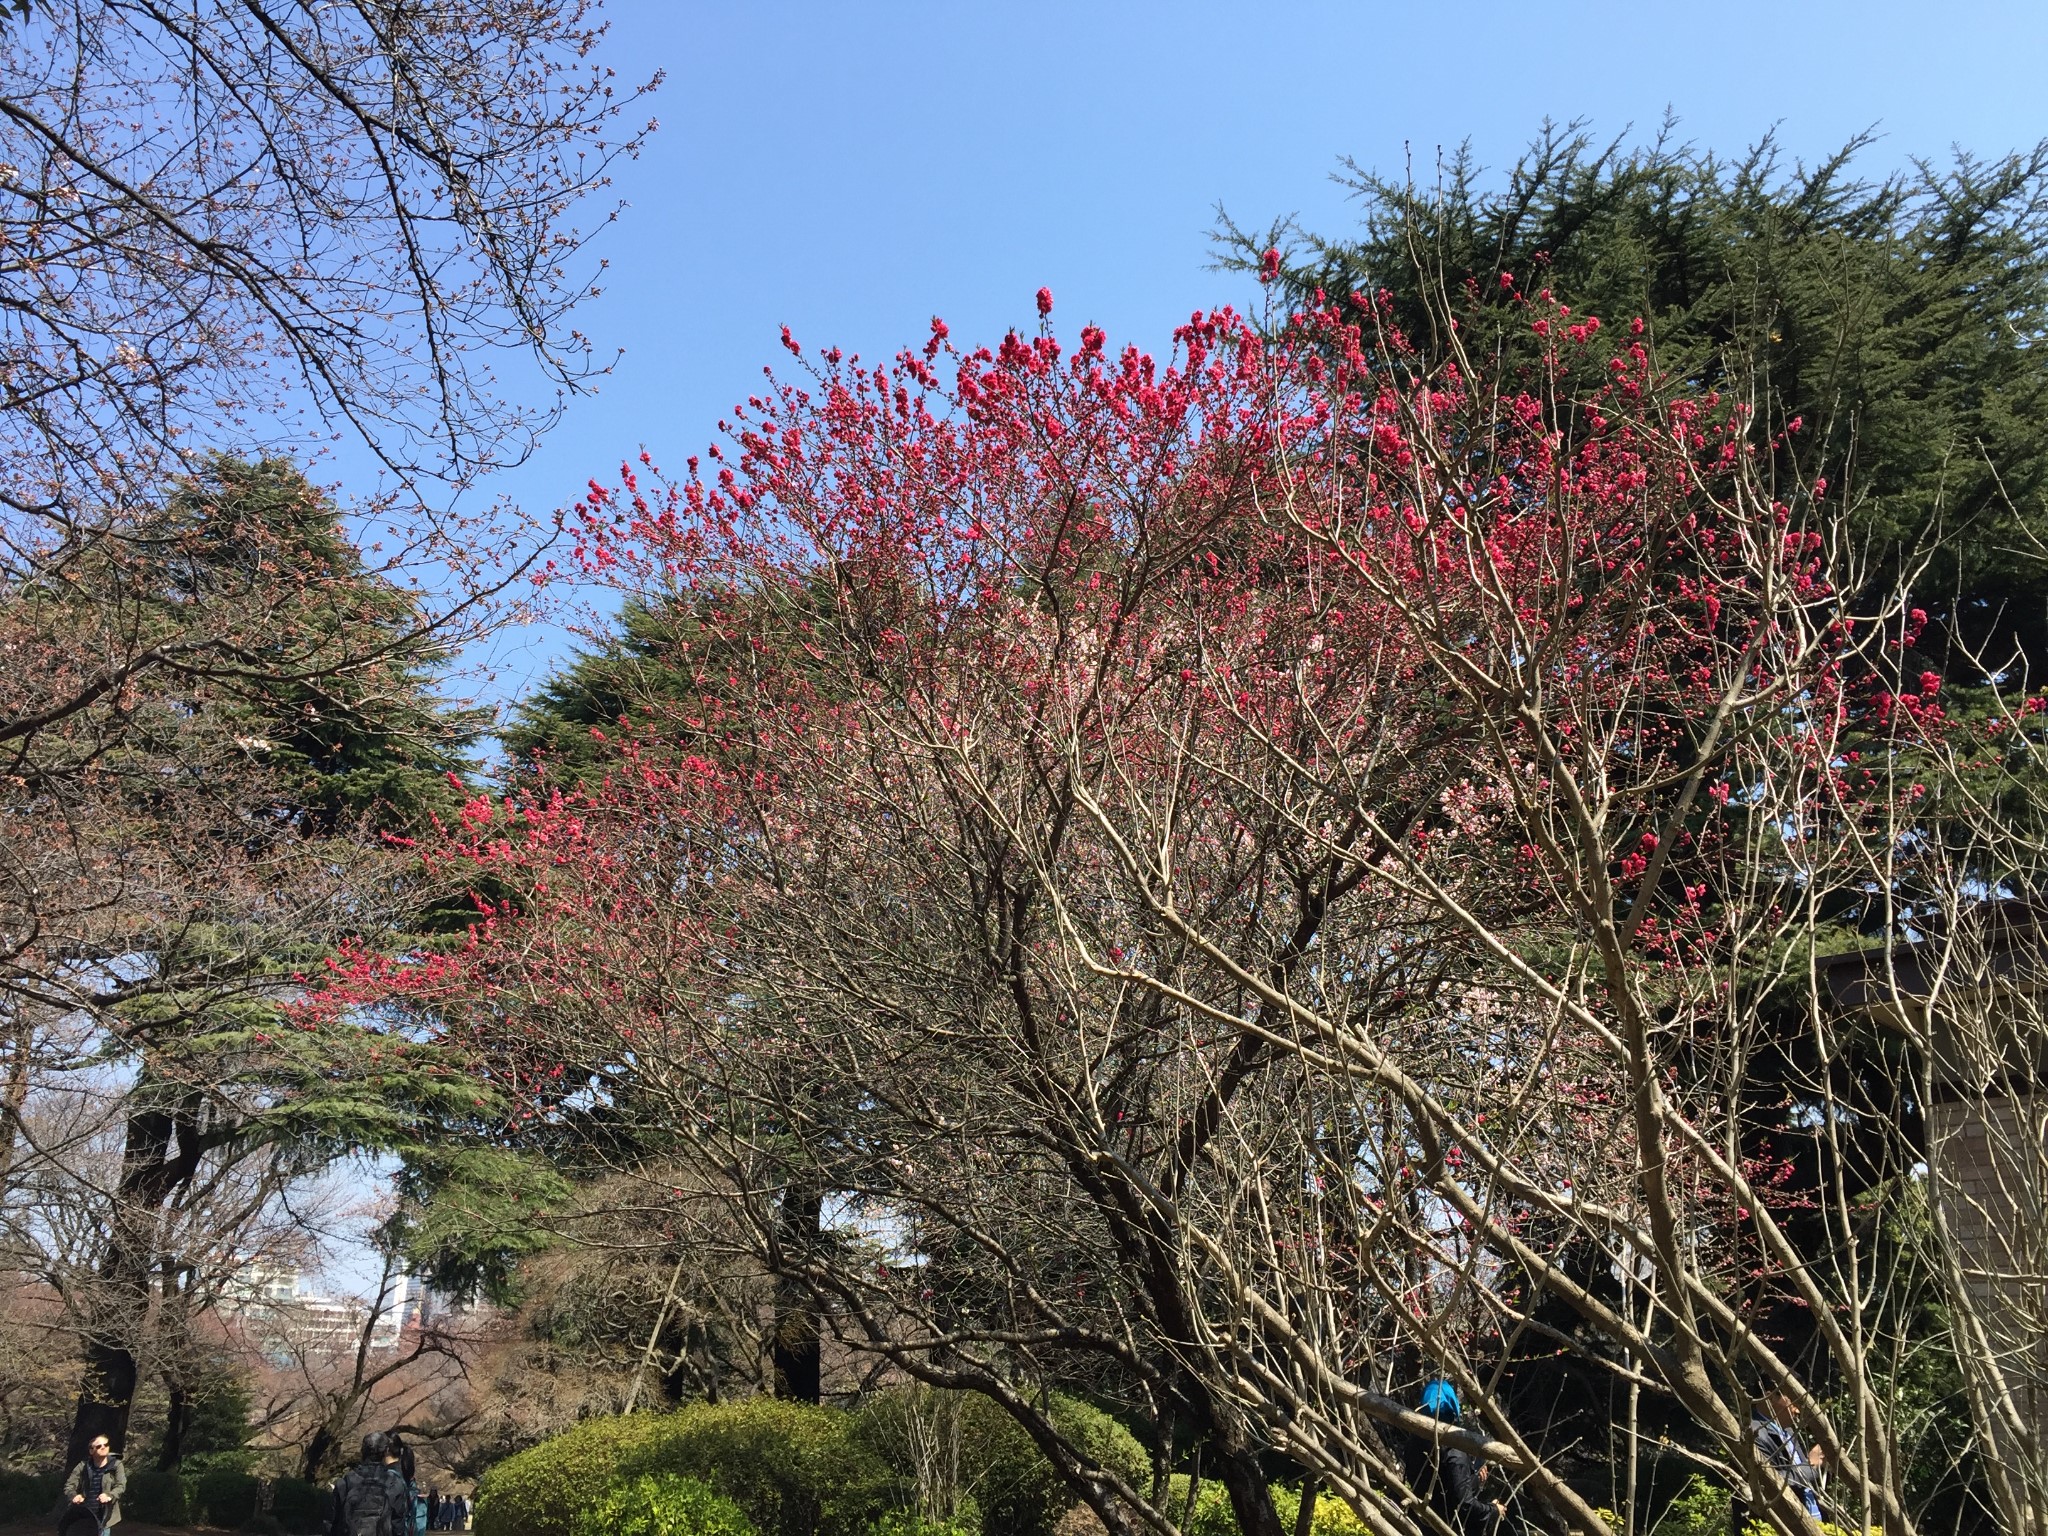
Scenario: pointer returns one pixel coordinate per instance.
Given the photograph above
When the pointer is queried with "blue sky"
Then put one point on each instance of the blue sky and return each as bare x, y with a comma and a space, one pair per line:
852, 169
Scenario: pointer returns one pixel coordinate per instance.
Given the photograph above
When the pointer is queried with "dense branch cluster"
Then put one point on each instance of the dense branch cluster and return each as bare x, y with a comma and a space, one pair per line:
227, 231
1239, 882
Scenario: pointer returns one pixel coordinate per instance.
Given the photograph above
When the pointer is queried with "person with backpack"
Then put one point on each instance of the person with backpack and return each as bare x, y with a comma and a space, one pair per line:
373, 1498
408, 1468
1447, 1475
92, 1492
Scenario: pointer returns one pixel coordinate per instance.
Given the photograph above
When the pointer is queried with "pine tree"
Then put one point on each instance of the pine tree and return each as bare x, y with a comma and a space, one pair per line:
211, 840
1896, 321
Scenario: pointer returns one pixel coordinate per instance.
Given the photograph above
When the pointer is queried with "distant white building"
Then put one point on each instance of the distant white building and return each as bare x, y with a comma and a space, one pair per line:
278, 1306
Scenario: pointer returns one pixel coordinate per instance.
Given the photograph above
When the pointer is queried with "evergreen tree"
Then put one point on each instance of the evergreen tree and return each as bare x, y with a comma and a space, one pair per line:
663, 683
1898, 321
225, 831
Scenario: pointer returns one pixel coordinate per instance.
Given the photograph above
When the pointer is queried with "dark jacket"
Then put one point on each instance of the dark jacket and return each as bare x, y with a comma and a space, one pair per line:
1785, 1454
364, 1486
1448, 1477
113, 1481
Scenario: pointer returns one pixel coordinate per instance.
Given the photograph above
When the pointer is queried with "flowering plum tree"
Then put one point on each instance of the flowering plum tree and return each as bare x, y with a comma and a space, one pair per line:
1250, 878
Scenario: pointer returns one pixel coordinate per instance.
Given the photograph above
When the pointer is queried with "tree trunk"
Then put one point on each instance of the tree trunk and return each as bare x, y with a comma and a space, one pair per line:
104, 1398
14, 1095
150, 1173
794, 1350
1250, 1499
317, 1450
1305, 1515
177, 1420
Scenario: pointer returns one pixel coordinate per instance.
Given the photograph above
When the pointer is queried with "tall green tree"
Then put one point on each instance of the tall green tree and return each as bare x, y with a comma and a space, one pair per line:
222, 836
1896, 319
663, 683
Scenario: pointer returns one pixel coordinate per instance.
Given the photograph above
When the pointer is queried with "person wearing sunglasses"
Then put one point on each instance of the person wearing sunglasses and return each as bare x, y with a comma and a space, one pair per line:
92, 1493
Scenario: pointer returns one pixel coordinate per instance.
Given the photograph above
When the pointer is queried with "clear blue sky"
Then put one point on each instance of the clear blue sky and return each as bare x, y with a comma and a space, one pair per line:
851, 169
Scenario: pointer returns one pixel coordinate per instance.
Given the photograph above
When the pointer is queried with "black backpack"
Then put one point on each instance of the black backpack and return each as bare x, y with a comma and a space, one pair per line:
365, 1496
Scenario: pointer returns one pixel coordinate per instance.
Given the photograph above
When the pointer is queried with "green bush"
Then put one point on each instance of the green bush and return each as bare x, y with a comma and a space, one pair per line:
161, 1498
792, 1469
795, 1470
1213, 1515
540, 1491
298, 1505
29, 1495
221, 1410
1700, 1510
1332, 1517
663, 1506
898, 1430
1018, 1491
908, 1522
225, 1497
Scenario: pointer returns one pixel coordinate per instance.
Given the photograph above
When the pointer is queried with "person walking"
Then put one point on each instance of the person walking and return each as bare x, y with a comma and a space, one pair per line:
372, 1498
92, 1493
1448, 1476
433, 1509
408, 1468
1774, 1430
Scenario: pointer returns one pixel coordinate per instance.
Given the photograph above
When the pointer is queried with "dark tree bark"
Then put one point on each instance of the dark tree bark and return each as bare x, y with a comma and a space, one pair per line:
794, 1350
177, 1421
160, 1155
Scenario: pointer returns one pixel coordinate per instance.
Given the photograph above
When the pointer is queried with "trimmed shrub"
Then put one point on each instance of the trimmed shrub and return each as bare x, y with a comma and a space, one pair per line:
299, 1506
540, 1491
792, 1469
158, 1497
29, 1495
663, 1506
224, 1497
795, 1470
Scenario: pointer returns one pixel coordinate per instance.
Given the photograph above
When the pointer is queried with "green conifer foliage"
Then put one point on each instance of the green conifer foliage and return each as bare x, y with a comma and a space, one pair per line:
1898, 320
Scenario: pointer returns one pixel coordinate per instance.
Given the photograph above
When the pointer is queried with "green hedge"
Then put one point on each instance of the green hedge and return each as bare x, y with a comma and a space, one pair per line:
224, 1497
539, 1492
29, 1495
792, 1469
158, 1497
300, 1507
796, 1470
663, 1506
